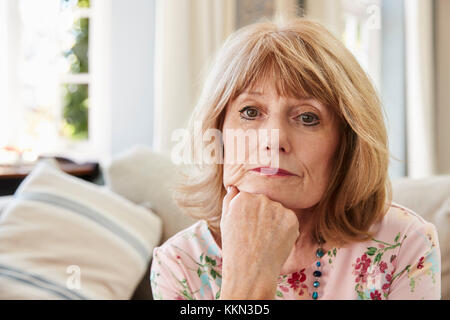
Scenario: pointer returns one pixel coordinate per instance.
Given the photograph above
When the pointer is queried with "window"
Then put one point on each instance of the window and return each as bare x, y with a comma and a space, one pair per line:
45, 49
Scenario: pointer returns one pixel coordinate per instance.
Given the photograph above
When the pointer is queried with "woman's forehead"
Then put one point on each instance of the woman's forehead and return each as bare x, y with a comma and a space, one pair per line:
264, 87
259, 92
262, 93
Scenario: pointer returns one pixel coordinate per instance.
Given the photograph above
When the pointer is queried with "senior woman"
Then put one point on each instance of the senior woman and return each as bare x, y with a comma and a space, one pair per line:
317, 224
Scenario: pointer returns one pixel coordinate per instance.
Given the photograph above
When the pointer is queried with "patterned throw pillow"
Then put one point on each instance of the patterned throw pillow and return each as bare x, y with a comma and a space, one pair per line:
65, 238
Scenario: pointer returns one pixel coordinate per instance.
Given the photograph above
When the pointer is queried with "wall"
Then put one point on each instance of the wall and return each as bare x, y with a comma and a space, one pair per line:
393, 84
122, 70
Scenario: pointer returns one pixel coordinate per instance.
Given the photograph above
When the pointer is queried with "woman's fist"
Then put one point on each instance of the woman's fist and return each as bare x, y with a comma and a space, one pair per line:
258, 235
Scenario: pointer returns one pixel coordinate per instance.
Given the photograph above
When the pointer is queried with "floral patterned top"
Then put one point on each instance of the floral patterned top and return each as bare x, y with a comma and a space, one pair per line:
402, 261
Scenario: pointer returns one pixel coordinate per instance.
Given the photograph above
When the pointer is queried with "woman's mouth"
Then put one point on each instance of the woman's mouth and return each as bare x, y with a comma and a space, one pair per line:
273, 172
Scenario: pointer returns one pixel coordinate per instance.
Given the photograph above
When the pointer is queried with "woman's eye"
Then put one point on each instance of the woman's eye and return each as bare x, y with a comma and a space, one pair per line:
249, 113
309, 119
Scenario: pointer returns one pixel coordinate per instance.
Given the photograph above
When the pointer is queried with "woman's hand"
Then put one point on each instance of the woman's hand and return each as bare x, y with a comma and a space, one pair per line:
258, 235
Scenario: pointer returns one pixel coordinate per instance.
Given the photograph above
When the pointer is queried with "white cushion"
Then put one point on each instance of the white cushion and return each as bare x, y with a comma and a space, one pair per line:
430, 197
4, 201
65, 238
145, 177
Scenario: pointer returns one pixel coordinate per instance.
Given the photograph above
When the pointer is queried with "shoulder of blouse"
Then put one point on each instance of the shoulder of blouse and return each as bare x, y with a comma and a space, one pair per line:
183, 236
399, 219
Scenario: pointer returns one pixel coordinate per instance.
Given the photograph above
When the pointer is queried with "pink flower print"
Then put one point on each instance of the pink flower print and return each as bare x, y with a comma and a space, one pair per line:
376, 295
361, 266
389, 277
383, 266
284, 289
387, 285
219, 265
365, 262
296, 278
420, 264
302, 292
393, 260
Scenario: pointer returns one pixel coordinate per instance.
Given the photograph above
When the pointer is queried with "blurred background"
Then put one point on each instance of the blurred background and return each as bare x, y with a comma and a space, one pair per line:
87, 79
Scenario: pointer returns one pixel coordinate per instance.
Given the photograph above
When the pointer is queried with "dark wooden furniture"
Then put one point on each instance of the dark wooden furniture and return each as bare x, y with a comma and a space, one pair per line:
11, 176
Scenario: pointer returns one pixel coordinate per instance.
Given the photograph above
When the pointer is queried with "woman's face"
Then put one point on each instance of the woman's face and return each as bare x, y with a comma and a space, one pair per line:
307, 140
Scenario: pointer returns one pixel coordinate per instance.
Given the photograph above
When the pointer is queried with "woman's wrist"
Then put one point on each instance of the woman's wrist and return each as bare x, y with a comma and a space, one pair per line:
254, 295
257, 289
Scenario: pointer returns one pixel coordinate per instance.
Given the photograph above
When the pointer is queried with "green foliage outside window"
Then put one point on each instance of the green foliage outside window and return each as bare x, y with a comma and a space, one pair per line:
76, 96
83, 4
78, 54
75, 111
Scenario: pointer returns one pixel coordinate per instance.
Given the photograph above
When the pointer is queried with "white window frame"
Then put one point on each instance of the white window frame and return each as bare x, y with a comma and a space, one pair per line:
12, 111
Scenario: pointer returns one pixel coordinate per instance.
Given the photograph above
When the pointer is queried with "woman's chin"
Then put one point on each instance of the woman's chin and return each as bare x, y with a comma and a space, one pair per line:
268, 191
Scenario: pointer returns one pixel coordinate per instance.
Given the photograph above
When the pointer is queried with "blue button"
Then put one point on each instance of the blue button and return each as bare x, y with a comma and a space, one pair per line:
315, 295
319, 253
318, 263
316, 284
317, 273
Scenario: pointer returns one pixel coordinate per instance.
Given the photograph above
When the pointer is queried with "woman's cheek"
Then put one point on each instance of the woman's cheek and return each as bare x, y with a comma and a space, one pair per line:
233, 174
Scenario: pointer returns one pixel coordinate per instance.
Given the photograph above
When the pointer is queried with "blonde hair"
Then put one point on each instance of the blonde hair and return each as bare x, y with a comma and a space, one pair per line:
304, 59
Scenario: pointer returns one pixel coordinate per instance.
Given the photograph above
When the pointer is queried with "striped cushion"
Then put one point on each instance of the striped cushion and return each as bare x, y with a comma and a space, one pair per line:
64, 238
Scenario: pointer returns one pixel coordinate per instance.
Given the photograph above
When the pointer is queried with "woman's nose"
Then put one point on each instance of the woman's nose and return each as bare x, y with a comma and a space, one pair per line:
278, 137
282, 149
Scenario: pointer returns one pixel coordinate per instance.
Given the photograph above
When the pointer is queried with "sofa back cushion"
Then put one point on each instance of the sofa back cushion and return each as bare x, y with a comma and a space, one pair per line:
430, 197
146, 178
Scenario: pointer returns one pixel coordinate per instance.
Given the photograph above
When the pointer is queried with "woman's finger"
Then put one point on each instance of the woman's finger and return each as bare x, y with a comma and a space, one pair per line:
232, 191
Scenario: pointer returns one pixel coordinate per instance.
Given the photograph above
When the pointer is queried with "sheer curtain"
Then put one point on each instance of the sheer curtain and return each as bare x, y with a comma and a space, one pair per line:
3, 72
421, 148
442, 68
188, 33
9, 81
327, 12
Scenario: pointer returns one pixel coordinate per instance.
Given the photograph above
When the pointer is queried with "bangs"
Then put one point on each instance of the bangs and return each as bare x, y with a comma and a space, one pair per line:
286, 63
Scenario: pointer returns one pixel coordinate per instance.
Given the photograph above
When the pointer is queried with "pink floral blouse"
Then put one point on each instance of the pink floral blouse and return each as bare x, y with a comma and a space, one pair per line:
402, 261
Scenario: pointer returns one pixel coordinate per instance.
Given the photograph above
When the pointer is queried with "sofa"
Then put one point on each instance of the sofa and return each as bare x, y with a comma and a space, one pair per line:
141, 179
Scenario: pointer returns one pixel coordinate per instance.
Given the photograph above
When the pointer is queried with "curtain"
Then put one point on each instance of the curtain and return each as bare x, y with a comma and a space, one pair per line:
420, 99
9, 75
442, 46
3, 72
188, 33
327, 12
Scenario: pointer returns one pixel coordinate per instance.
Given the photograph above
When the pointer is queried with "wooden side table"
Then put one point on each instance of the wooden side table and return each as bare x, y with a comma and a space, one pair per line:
11, 176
